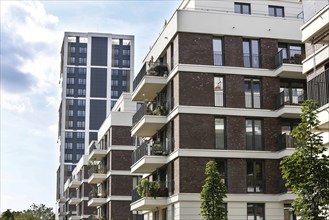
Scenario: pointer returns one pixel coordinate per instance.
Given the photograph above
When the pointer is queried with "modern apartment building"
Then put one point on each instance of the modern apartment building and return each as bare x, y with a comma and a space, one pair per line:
101, 183
95, 69
222, 82
315, 35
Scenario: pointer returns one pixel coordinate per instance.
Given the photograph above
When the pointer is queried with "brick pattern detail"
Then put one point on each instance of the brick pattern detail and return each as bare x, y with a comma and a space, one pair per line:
270, 91
88, 210
233, 53
271, 131
121, 135
273, 176
196, 131
86, 189
196, 89
121, 185
195, 49
268, 49
237, 175
119, 210
120, 160
234, 91
235, 131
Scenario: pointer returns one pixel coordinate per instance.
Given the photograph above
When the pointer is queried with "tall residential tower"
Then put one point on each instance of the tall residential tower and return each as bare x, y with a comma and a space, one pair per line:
95, 69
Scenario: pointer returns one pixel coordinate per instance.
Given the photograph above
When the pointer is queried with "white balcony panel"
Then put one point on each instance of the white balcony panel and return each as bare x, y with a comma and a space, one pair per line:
148, 164
290, 111
94, 202
148, 88
97, 154
148, 203
96, 178
323, 117
148, 125
75, 217
292, 71
321, 55
74, 201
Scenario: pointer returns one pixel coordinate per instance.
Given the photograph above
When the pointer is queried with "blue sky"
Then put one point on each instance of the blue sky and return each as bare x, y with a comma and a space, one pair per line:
31, 37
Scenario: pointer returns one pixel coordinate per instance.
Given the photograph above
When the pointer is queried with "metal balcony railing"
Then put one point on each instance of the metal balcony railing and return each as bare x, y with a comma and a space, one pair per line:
284, 98
157, 148
162, 191
286, 141
94, 145
145, 109
295, 57
97, 169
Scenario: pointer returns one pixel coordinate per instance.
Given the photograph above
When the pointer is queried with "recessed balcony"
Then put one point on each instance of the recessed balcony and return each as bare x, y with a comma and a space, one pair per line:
151, 79
149, 157
97, 199
74, 183
97, 174
289, 103
96, 152
149, 119
289, 66
286, 141
74, 200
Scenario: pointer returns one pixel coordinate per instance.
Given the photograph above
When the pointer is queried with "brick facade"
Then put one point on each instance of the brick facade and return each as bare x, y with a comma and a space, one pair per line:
268, 49
121, 135
234, 91
237, 175
121, 185
235, 131
233, 53
120, 159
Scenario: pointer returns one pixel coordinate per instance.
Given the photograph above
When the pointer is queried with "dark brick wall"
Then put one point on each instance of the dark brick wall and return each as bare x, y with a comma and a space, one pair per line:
268, 49
121, 159
196, 89
271, 131
235, 131
195, 49
196, 131
121, 135
120, 210
273, 176
270, 89
233, 53
88, 210
191, 174
86, 189
234, 90
121, 185
237, 175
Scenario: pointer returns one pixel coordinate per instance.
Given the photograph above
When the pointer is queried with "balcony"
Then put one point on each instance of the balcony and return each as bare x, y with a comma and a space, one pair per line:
286, 141
97, 199
149, 157
289, 67
96, 152
74, 182
97, 174
151, 79
72, 216
148, 120
289, 105
74, 200
150, 198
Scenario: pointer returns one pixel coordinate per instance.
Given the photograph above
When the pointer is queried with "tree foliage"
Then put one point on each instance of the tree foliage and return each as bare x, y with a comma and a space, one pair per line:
35, 212
307, 169
213, 194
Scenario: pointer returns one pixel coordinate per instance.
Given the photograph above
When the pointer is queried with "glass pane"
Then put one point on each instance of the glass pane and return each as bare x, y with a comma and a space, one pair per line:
250, 177
246, 54
255, 53
218, 90
259, 211
271, 11
279, 12
218, 55
237, 8
256, 93
247, 91
258, 135
249, 133
245, 9
219, 132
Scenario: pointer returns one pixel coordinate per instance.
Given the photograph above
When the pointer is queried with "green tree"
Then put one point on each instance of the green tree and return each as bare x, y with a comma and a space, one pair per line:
35, 212
306, 171
213, 194
7, 215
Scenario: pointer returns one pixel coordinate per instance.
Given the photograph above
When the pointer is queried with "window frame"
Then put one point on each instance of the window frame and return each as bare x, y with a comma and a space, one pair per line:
241, 9
254, 177
251, 53
224, 134
252, 93
275, 10
253, 147
255, 205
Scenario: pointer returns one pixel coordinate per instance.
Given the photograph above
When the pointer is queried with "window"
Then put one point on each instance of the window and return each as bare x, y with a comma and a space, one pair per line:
116, 62
255, 181
81, 113
124, 72
290, 53
218, 52
251, 53
80, 146
219, 91
276, 11
126, 52
81, 92
113, 103
70, 69
124, 83
82, 61
72, 60
255, 211
72, 49
254, 140
78, 156
69, 168
115, 82
80, 124
126, 63
80, 135
241, 8
115, 72
69, 124
82, 71
68, 134
68, 156
114, 93
221, 167
70, 112
82, 81
68, 145
69, 91
70, 81
83, 50
116, 51
81, 102
252, 91
220, 133
70, 102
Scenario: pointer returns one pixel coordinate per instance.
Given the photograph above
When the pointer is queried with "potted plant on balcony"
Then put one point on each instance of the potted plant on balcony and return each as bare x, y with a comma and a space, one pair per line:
157, 147
154, 189
143, 188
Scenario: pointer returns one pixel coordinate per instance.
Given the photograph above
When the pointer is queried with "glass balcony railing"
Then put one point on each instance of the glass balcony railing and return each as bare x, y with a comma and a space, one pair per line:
296, 57
284, 98
286, 141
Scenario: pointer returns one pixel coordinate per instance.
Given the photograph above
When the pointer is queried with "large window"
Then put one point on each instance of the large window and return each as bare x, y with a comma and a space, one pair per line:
219, 91
252, 91
255, 182
290, 53
251, 53
254, 140
291, 93
221, 167
218, 52
68, 156
241, 8
255, 211
68, 145
70, 92
70, 81
81, 92
82, 49
220, 133
82, 61
276, 11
